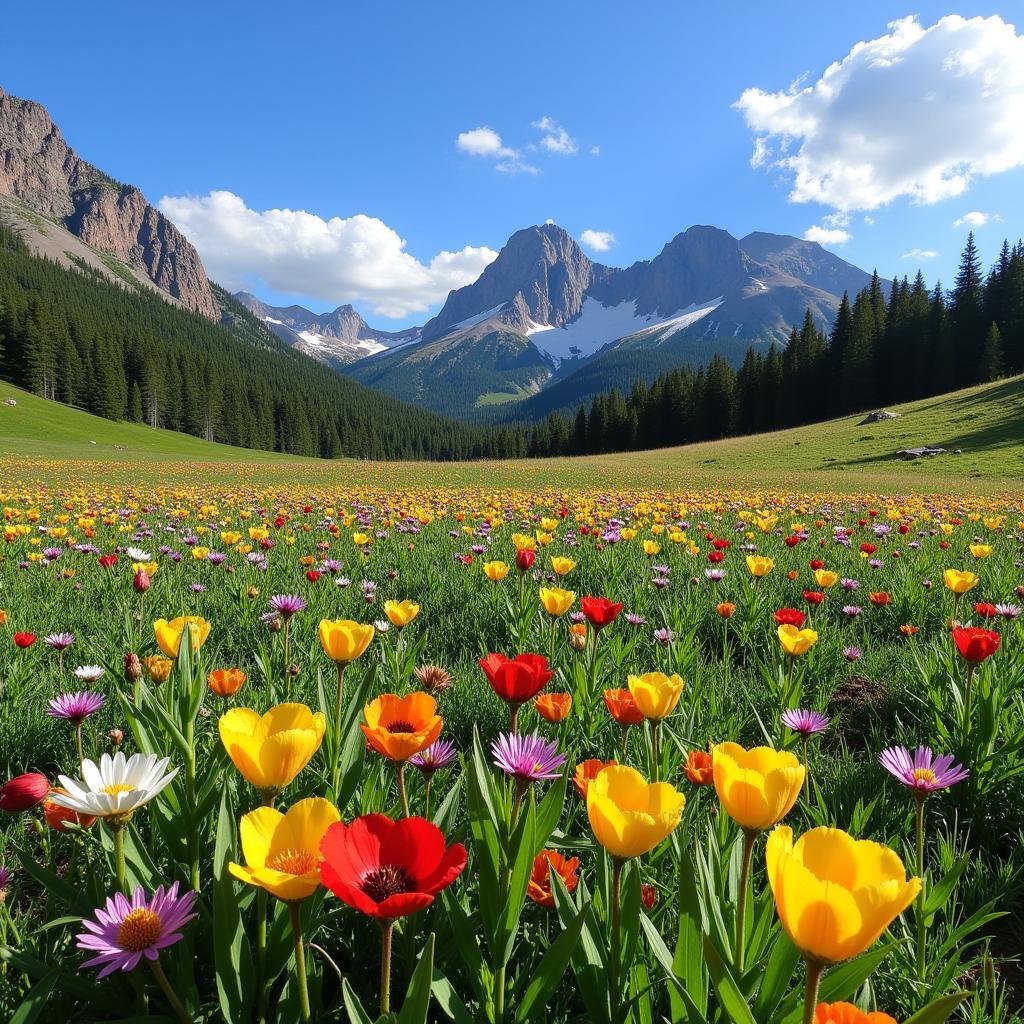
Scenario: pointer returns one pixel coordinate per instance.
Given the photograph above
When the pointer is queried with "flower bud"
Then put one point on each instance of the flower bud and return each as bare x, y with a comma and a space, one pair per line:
141, 581
23, 792
132, 668
115, 736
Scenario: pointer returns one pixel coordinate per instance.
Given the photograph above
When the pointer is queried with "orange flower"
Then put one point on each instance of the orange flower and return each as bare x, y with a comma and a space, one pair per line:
847, 1013
399, 727
586, 772
726, 609
622, 707
58, 818
908, 630
157, 668
539, 889
553, 707
792, 574
880, 598
225, 681
699, 768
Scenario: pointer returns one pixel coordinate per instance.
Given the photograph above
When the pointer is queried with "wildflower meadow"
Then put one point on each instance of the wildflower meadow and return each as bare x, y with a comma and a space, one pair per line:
310, 753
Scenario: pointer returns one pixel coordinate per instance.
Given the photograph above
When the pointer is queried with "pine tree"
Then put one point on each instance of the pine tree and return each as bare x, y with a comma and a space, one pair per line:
992, 355
967, 316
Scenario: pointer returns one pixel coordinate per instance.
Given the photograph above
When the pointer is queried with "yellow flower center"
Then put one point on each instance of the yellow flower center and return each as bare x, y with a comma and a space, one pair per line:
118, 787
139, 930
924, 775
293, 862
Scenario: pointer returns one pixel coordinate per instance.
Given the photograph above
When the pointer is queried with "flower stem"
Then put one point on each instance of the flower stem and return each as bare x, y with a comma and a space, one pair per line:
749, 838
300, 960
387, 929
426, 796
814, 973
261, 954
400, 769
655, 752
616, 952
922, 932
78, 742
336, 767
119, 868
169, 993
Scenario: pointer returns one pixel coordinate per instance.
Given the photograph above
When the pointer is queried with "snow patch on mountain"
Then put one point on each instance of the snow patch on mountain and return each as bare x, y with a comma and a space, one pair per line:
597, 325
472, 321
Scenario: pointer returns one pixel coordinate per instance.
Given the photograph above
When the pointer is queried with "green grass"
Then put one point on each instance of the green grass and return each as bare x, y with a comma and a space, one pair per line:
502, 397
985, 422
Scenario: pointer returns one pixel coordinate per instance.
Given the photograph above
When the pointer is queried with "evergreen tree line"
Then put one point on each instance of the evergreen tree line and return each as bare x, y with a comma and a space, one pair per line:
125, 353
882, 349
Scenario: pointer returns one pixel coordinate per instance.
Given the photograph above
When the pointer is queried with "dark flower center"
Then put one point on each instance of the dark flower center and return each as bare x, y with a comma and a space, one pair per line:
385, 881
400, 726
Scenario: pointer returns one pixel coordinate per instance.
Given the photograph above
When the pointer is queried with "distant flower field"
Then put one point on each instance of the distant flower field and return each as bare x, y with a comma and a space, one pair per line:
292, 752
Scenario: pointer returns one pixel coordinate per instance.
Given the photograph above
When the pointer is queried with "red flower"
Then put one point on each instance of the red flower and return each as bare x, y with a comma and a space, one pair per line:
904, 529
943, 544
986, 611
386, 868
23, 792
279, 522
24, 639
715, 556
600, 612
790, 617
539, 887
817, 563
524, 559
868, 549
813, 596
721, 545
517, 679
108, 561
974, 644
792, 540
140, 581
699, 767
649, 895
312, 575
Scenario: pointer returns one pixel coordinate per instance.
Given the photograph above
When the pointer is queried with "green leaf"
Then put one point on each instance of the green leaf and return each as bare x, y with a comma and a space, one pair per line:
523, 850
552, 966
417, 999
356, 1013
689, 1010
449, 1001
734, 1005
938, 1010
778, 976
35, 999
688, 962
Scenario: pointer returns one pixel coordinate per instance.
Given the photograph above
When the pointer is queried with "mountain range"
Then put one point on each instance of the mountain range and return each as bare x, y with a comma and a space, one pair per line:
544, 327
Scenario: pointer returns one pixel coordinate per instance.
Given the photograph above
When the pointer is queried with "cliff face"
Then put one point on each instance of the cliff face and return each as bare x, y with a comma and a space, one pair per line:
40, 169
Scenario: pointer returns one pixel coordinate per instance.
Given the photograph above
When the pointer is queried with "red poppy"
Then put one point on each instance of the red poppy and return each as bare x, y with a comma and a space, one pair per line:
24, 639
868, 549
279, 522
386, 868
108, 561
600, 612
816, 564
790, 617
312, 575
943, 544
517, 679
23, 792
974, 644
904, 529
792, 540
649, 895
986, 611
721, 545
715, 557
813, 596
524, 559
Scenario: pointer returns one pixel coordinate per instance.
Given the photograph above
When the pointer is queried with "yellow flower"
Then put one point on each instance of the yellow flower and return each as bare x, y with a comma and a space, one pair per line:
756, 787
401, 613
495, 570
834, 894
759, 565
524, 542
796, 641
199, 553
825, 578
168, 634
656, 694
270, 750
344, 640
651, 547
959, 581
628, 815
282, 851
556, 602
562, 566
627, 533
158, 669
981, 550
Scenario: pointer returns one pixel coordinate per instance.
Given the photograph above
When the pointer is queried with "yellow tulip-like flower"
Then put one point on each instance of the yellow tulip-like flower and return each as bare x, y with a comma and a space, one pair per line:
759, 565
556, 602
981, 550
270, 750
495, 570
834, 894
282, 851
825, 578
562, 566
656, 694
401, 613
344, 640
168, 634
796, 642
960, 581
651, 547
628, 815
756, 787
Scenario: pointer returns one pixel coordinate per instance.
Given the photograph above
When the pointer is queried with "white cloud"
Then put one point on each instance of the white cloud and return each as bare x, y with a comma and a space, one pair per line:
976, 219
487, 143
827, 236
348, 259
594, 151
919, 254
555, 139
598, 241
917, 112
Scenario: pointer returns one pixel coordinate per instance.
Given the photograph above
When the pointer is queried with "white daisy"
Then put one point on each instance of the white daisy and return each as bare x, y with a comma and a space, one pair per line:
116, 786
89, 673
138, 555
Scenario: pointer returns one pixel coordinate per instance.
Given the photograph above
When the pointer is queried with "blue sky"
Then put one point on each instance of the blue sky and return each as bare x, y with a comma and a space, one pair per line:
355, 112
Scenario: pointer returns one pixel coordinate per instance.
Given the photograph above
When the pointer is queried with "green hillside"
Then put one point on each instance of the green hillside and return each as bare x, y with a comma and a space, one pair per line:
985, 422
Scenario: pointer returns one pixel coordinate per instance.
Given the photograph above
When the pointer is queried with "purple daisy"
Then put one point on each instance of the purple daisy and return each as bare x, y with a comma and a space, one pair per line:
851, 653
59, 641
286, 605
805, 722
126, 931
76, 707
438, 755
922, 772
527, 758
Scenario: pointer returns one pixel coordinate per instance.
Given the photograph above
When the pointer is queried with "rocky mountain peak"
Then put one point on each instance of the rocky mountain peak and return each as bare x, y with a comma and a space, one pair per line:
39, 168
